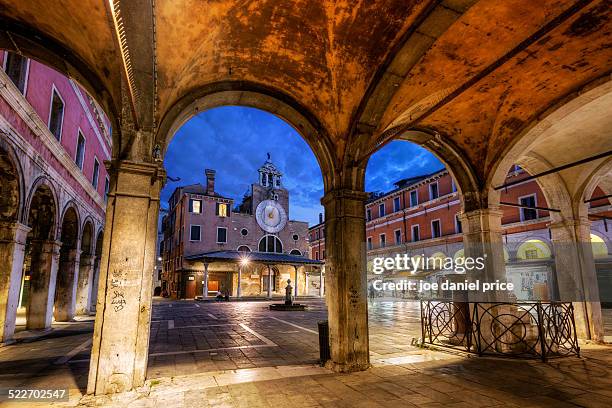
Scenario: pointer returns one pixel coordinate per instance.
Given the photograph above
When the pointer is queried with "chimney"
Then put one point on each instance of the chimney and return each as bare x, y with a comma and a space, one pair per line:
320, 218
210, 181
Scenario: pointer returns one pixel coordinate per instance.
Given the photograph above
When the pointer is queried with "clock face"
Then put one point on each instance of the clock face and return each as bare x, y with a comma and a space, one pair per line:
271, 216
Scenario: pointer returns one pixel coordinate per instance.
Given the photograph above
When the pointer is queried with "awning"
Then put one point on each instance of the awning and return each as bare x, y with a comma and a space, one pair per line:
257, 257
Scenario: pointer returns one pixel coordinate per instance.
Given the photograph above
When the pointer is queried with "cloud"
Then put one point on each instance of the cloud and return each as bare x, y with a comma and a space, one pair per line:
234, 141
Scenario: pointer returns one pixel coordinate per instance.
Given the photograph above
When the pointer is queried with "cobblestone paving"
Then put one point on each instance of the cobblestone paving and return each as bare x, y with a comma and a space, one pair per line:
241, 354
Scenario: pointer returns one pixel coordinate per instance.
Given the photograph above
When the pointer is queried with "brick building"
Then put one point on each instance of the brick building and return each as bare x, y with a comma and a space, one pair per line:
54, 139
422, 216
205, 236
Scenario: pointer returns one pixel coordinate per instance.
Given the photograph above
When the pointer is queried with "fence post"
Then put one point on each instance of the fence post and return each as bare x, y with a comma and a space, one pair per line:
477, 331
423, 321
571, 309
541, 331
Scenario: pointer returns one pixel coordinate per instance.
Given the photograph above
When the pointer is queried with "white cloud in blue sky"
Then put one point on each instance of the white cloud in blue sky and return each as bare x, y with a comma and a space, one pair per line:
234, 141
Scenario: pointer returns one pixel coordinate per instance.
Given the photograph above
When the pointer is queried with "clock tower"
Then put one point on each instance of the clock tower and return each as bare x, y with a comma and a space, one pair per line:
270, 203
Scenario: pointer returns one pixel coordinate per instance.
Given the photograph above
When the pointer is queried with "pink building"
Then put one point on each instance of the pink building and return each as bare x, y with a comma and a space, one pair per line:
206, 237
54, 140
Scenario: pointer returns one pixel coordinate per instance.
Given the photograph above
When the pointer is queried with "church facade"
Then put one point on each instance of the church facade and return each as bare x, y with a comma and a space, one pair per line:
244, 250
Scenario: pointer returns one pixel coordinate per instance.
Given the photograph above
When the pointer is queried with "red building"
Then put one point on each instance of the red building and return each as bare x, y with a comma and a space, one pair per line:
422, 215
54, 140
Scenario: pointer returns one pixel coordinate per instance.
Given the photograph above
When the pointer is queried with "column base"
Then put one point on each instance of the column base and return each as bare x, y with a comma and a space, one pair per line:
346, 367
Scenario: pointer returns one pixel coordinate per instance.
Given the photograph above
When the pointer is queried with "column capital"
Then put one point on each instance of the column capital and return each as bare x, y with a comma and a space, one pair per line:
344, 194
135, 179
137, 167
88, 260
13, 231
482, 212
48, 245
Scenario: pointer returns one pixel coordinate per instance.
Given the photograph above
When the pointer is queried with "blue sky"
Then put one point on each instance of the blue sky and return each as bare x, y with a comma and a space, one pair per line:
234, 141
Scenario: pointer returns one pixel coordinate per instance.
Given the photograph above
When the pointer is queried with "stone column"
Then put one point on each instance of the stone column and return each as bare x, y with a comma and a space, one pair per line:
94, 284
43, 274
482, 238
321, 282
576, 275
12, 251
85, 285
295, 288
205, 284
121, 334
66, 287
346, 279
269, 282
238, 290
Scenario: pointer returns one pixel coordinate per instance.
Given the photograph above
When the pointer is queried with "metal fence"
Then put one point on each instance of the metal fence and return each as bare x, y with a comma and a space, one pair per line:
521, 330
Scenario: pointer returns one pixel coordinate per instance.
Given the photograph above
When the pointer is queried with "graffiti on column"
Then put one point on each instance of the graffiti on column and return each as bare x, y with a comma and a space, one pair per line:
118, 300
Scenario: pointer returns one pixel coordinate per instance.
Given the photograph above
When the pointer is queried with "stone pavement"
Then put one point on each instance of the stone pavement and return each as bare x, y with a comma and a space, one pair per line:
241, 354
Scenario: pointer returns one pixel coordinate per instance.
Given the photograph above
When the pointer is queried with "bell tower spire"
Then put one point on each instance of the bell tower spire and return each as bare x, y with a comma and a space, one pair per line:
269, 176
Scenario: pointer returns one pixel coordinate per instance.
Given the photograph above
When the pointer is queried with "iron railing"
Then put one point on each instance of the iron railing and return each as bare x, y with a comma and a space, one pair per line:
522, 329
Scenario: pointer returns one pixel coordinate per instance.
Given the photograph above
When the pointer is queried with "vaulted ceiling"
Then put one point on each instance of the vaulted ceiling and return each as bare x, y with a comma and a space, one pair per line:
476, 72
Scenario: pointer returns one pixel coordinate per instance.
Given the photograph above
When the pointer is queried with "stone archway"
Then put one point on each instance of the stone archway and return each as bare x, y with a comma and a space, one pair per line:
550, 144
68, 271
256, 96
11, 196
86, 270
12, 240
96, 272
42, 256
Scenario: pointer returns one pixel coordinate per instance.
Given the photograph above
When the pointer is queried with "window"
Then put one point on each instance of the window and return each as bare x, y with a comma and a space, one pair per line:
295, 237
453, 186
317, 234
17, 70
96, 173
398, 237
317, 255
433, 191
527, 213
222, 209
368, 215
531, 254
221, 235
244, 232
323, 254
383, 240
80, 151
381, 209
56, 115
436, 231
106, 188
244, 248
396, 204
414, 198
270, 243
458, 227
195, 206
194, 234
369, 242
415, 233
295, 252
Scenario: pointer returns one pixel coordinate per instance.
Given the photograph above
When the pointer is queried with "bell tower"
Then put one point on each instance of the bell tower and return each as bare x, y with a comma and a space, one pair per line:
269, 176
269, 186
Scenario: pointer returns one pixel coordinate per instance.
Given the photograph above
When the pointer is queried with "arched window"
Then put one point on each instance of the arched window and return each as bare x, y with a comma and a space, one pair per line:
270, 243
295, 252
244, 248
